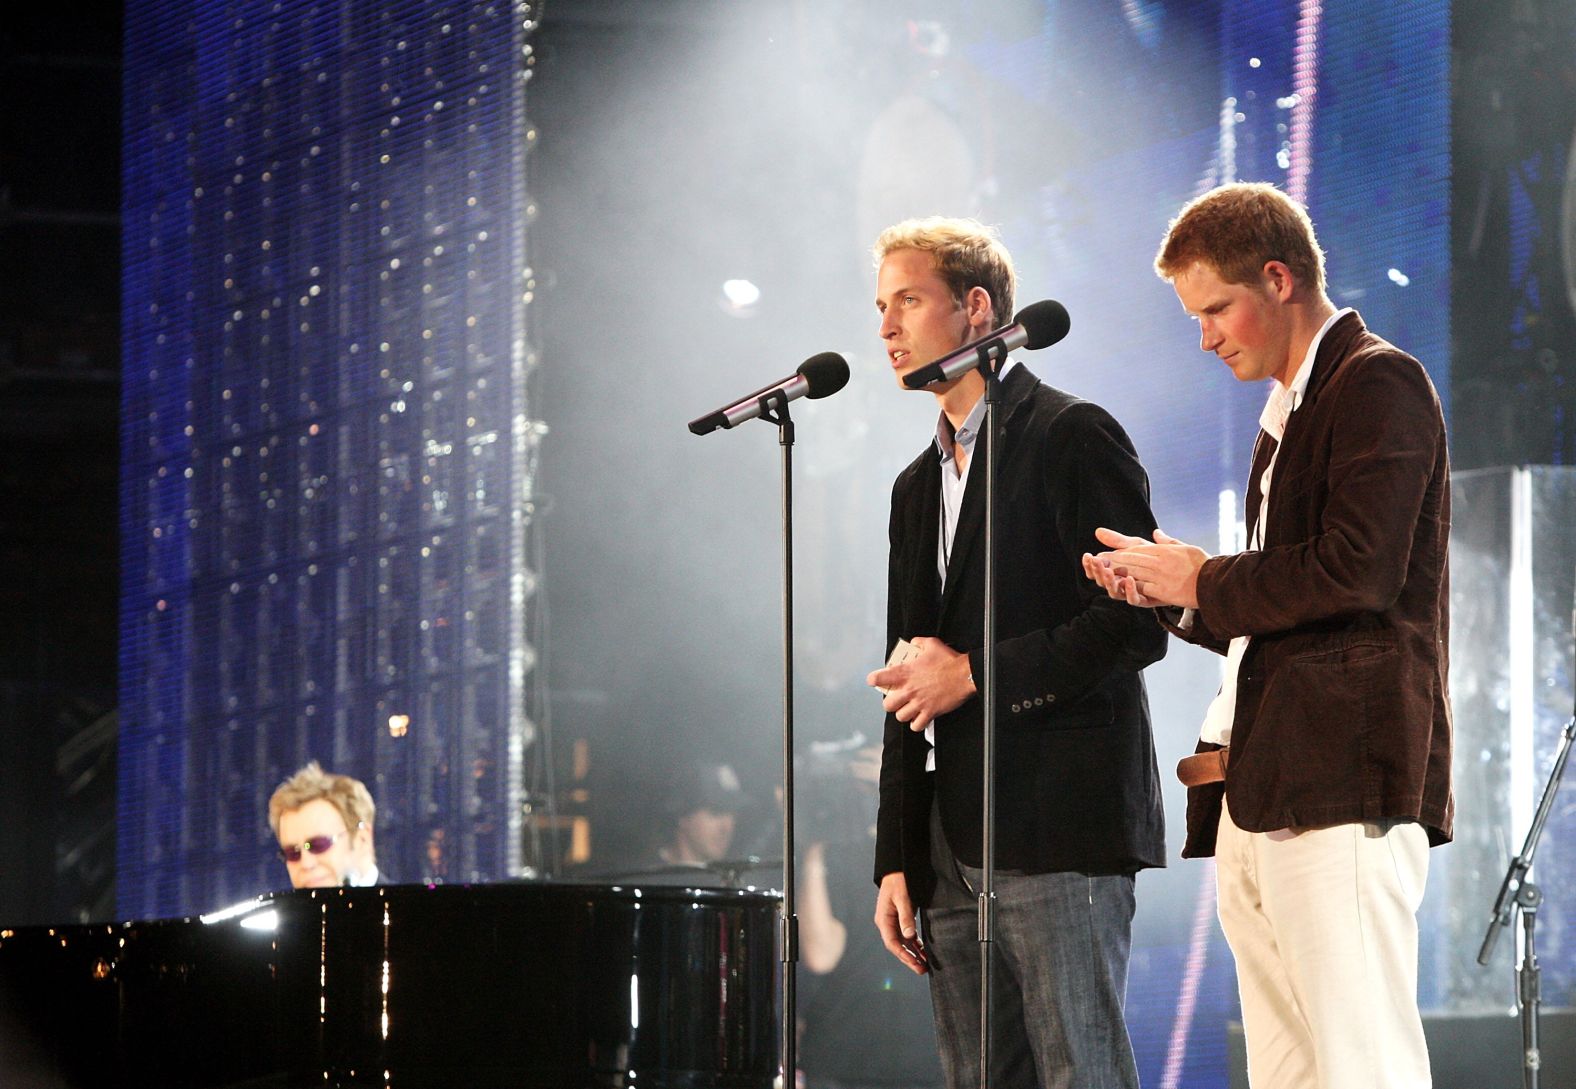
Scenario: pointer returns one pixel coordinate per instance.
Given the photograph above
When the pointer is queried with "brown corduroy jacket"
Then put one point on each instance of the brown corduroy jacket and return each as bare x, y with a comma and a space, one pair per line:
1342, 710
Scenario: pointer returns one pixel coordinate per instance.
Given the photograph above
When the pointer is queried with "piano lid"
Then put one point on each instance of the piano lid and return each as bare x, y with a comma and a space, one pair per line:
405, 987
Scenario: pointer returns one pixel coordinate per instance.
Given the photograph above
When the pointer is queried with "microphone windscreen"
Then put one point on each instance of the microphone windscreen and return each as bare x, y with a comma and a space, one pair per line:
825, 374
1044, 323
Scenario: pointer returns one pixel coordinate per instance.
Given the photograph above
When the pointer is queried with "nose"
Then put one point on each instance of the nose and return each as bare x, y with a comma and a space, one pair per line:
1208, 338
889, 323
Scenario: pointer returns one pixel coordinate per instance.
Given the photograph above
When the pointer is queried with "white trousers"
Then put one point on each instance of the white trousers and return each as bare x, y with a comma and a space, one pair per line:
1323, 925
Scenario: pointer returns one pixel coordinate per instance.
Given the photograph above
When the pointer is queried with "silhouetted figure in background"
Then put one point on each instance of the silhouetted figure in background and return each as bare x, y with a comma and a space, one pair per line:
865, 1023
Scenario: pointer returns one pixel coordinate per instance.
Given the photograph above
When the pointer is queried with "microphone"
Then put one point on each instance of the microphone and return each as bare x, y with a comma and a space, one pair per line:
1038, 325
819, 376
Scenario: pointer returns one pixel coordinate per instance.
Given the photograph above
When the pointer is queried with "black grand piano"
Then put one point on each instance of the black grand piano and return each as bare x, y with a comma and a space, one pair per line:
406, 987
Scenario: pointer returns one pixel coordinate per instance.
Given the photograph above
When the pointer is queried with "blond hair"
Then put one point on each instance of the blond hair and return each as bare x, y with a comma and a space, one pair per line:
349, 796
1237, 229
968, 254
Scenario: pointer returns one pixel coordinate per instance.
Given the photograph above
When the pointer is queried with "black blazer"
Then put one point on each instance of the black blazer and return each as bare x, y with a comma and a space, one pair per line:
1077, 787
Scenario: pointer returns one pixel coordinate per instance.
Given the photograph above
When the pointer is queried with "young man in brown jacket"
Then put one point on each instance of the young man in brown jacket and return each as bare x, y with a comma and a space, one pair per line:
1323, 771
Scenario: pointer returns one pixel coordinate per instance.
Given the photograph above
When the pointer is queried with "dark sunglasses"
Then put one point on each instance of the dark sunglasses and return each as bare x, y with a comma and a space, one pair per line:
317, 845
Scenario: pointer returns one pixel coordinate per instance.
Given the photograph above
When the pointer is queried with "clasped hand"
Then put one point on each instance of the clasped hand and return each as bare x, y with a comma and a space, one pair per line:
1145, 574
930, 684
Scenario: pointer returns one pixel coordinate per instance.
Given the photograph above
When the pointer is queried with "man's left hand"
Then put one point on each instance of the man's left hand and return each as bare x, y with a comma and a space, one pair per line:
1163, 573
931, 683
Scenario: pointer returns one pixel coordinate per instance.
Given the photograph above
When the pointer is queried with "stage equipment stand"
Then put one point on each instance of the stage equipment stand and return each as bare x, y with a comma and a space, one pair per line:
819, 376
774, 407
1517, 894
991, 356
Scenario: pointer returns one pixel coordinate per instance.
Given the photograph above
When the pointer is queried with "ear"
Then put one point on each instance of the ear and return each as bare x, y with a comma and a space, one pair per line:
1279, 280
979, 309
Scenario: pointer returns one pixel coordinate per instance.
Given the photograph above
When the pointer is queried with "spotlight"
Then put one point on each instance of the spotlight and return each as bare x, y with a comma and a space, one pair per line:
739, 297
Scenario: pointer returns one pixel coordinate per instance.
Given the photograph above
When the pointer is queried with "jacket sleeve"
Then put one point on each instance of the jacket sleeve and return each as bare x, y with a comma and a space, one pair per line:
1089, 477
1195, 631
1385, 447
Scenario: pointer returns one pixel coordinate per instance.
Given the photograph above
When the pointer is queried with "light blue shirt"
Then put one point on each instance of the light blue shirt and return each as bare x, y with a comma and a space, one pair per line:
953, 482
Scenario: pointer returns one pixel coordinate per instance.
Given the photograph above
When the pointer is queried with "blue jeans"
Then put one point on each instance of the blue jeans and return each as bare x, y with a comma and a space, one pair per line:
1058, 977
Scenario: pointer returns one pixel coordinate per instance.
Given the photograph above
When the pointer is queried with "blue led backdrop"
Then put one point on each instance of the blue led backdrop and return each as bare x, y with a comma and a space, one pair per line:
328, 444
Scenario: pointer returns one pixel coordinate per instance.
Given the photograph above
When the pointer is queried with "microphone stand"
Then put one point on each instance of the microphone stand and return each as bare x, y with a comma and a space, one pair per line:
991, 355
774, 409
1516, 893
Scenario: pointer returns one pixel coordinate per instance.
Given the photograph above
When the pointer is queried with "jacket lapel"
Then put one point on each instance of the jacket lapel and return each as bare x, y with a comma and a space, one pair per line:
971, 518
1264, 448
1333, 349
924, 583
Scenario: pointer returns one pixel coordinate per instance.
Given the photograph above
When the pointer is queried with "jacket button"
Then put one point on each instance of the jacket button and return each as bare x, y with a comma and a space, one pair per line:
1038, 702
1015, 708
1049, 698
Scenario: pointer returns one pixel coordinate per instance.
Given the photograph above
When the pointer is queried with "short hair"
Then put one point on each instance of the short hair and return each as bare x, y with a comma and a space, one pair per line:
968, 254
1237, 229
311, 783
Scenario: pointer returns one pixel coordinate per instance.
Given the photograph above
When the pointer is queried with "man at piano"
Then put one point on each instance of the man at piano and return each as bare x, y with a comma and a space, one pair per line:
323, 823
